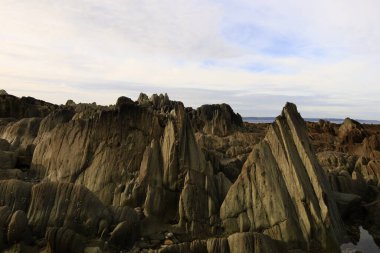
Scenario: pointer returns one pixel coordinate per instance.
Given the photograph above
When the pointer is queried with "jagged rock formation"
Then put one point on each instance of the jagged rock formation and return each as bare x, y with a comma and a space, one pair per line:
351, 131
300, 208
350, 157
217, 120
152, 175
25, 107
138, 156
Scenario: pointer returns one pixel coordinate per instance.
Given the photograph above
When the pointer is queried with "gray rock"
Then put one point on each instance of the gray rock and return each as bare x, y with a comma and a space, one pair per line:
280, 183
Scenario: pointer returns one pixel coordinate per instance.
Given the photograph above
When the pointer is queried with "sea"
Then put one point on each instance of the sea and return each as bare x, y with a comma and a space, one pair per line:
332, 120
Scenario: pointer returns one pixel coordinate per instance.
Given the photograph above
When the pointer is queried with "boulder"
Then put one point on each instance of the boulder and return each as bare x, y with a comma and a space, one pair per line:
123, 101
347, 203
351, 132
123, 235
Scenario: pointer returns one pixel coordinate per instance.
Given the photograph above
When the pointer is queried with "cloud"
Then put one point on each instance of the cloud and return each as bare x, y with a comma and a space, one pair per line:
255, 55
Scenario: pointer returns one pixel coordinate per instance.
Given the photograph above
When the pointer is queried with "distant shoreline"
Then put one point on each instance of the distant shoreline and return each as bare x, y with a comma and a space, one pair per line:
332, 120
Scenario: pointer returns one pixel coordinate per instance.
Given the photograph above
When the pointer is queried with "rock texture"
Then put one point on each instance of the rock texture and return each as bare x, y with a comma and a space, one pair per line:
217, 119
154, 176
283, 192
25, 107
62, 240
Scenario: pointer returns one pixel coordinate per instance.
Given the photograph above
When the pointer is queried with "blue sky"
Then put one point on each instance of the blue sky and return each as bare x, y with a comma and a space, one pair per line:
255, 55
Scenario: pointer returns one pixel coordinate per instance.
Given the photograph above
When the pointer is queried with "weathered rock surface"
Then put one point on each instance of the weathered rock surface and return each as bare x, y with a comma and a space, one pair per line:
18, 229
20, 135
218, 245
65, 205
126, 176
136, 156
25, 107
351, 131
300, 208
15, 194
217, 119
254, 242
63, 240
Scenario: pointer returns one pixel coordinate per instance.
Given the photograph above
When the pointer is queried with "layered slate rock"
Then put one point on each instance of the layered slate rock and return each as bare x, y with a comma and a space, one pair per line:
140, 154
216, 119
24, 107
66, 205
351, 132
63, 240
283, 192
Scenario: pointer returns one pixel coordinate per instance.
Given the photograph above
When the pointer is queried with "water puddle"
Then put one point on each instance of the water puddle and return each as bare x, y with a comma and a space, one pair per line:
366, 244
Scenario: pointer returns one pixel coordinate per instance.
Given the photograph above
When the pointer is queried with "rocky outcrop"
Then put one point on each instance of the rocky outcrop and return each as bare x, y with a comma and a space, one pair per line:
21, 135
152, 175
136, 155
24, 107
217, 119
342, 171
66, 205
351, 131
300, 208
57, 204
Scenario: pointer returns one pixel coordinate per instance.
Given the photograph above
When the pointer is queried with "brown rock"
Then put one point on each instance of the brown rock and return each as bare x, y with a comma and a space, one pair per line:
63, 240
218, 119
66, 205
168, 242
254, 243
18, 229
123, 235
218, 245
15, 194
285, 166
7, 160
24, 107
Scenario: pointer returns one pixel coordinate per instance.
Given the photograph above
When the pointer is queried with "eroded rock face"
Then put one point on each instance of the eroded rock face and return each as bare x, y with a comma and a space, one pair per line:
25, 107
65, 205
283, 192
351, 131
138, 156
126, 176
217, 119
254, 242
63, 240
18, 229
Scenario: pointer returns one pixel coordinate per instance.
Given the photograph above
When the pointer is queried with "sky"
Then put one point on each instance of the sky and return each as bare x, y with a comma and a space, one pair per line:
254, 55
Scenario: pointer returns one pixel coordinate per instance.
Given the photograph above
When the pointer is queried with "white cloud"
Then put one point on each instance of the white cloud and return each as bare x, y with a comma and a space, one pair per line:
280, 50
